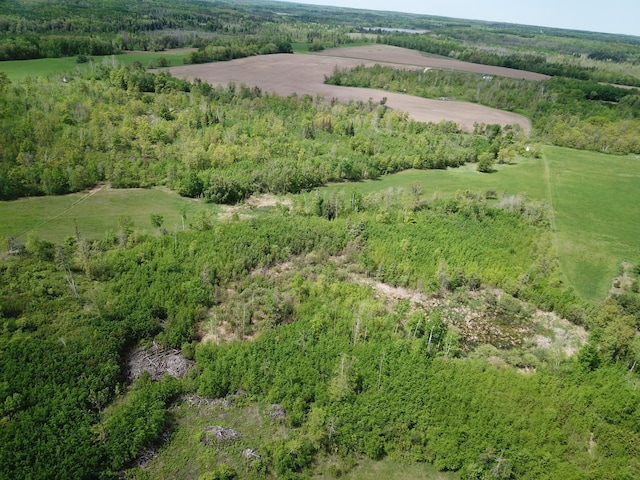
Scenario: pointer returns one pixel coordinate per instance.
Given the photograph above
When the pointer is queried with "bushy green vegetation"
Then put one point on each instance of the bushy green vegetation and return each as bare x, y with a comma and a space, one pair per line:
37, 29
70, 312
342, 328
587, 192
355, 374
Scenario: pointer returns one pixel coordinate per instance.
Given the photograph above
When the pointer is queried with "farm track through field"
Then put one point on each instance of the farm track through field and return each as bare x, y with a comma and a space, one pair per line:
286, 74
89, 194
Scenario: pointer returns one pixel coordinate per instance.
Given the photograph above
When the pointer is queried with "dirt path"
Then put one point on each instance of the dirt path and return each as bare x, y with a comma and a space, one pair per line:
286, 74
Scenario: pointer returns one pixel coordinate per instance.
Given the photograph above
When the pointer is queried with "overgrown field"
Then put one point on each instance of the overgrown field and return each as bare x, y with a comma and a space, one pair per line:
213, 282
591, 195
323, 336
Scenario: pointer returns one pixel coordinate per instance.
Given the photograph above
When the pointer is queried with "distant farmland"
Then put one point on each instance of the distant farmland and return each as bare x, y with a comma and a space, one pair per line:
286, 74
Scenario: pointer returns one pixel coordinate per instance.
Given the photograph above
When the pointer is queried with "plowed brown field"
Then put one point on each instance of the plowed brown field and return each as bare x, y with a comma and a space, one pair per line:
285, 74
413, 58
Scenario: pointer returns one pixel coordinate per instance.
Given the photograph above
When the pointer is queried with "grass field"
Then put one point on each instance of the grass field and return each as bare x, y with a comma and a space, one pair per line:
524, 176
53, 218
595, 200
42, 67
387, 468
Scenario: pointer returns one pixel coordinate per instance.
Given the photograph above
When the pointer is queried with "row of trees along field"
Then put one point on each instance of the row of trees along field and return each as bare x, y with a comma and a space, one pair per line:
356, 375
567, 112
137, 129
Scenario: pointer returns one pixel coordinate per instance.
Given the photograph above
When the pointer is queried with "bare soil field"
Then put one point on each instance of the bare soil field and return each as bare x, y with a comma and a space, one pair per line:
413, 58
286, 74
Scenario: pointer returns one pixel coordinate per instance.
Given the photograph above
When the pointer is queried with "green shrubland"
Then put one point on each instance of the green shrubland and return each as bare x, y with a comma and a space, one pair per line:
357, 374
337, 329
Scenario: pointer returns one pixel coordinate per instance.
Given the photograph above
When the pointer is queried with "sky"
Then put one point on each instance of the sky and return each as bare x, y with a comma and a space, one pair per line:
610, 16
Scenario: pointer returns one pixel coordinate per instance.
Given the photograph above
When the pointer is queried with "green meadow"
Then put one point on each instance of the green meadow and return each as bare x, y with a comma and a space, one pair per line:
53, 218
594, 198
525, 176
387, 468
43, 67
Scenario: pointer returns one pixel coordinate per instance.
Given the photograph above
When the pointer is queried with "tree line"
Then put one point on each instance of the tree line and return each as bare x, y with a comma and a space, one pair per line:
133, 128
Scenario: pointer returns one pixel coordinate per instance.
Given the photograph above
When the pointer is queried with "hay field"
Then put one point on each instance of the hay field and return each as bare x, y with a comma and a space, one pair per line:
286, 74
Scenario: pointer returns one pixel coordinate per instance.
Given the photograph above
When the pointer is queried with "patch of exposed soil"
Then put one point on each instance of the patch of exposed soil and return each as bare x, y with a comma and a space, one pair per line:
477, 328
213, 330
157, 361
218, 435
286, 74
216, 332
243, 209
475, 323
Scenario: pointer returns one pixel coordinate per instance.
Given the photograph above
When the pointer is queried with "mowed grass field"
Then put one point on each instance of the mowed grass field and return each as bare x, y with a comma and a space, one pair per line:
43, 67
96, 214
595, 200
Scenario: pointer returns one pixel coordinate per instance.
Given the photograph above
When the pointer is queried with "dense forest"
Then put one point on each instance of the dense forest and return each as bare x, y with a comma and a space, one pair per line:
395, 326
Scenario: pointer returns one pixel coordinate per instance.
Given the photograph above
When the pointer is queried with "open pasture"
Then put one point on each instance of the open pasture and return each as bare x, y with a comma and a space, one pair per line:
286, 74
42, 67
96, 212
595, 200
523, 176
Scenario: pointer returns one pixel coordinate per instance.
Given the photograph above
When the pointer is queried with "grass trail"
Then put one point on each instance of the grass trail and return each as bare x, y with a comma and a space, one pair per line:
97, 212
596, 216
58, 215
